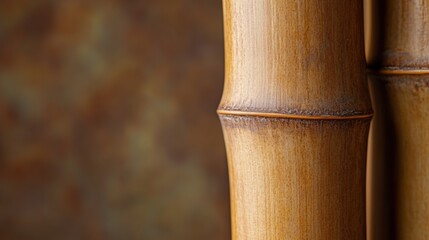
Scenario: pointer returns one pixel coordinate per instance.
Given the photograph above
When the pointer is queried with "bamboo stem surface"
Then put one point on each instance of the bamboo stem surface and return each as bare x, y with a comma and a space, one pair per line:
398, 58
295, 114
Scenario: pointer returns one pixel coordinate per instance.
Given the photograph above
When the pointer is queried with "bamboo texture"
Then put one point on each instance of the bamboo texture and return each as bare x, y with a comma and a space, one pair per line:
398, 59
295, 115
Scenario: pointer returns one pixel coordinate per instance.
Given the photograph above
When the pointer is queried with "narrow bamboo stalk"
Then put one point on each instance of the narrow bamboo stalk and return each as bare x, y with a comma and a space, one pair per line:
295, 115
398, 58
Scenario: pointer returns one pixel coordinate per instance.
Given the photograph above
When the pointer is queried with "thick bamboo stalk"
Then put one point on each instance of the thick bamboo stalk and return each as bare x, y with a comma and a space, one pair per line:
295, 115
398, 58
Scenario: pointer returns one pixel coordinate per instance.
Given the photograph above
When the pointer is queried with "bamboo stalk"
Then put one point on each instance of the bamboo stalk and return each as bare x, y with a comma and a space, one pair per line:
295, 115
398, 58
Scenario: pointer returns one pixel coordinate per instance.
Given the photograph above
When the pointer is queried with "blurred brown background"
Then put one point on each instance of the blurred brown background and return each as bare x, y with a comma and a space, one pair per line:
107, 120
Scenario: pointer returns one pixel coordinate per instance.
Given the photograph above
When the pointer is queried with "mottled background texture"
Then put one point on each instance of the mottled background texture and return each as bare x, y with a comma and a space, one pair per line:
107, 120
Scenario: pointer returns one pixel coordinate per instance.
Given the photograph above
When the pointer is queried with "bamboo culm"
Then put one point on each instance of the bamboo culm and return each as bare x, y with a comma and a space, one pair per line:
295, 114
398, 169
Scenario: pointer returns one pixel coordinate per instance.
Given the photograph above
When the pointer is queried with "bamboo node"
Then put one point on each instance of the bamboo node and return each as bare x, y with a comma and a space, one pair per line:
293, 116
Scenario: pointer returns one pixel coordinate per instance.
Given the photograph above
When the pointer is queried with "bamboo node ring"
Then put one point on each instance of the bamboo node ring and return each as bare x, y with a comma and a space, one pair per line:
293, 116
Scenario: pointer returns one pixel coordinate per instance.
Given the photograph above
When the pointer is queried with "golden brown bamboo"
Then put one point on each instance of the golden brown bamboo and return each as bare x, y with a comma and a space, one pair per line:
398, 59
295, 115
